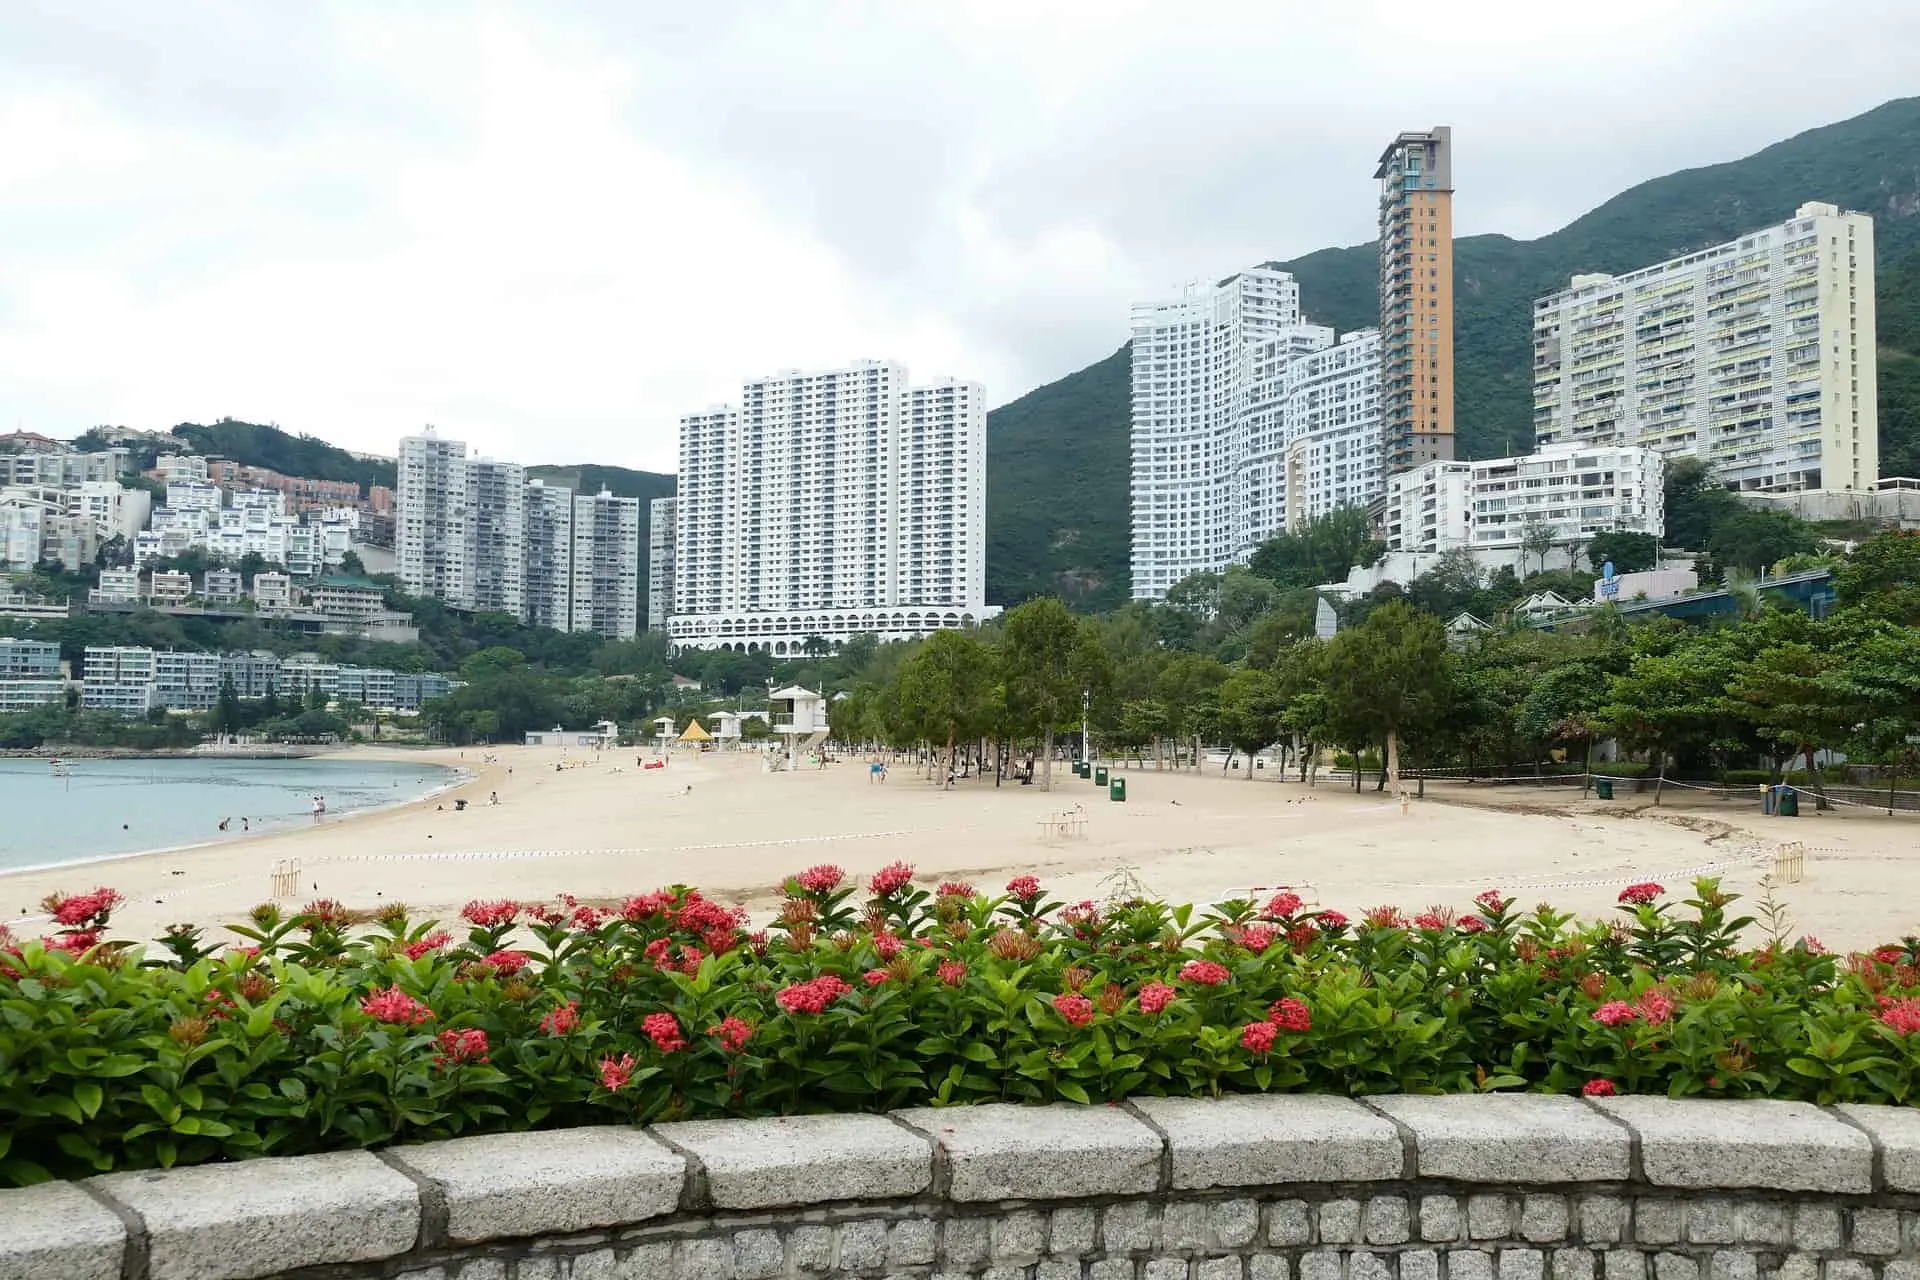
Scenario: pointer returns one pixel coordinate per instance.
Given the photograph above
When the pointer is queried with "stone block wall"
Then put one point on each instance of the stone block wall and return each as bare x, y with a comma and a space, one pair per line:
1499, 1187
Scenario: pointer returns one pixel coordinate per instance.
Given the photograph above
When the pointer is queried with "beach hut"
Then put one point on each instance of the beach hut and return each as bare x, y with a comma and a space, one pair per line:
799, 717
694, 736
726, 730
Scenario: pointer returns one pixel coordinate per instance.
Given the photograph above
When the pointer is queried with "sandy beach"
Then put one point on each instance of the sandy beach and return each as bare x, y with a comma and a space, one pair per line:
598, 826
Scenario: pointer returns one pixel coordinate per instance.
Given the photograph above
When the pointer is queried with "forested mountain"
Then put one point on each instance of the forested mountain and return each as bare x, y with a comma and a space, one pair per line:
1057, 458
255, 445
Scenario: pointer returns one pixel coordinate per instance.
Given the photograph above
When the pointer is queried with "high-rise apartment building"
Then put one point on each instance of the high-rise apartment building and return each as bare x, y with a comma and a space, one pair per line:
430, 518
496, 535
548, 597
660, 539
1416, 298
606, 565
1246, 419
832, 505
1756, 356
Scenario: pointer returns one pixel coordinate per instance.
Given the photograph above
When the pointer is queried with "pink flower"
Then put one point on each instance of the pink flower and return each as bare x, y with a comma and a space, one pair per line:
488, 914
1291, 1016
824, 878
1635, 895
1076, 1009
588, 917
890, 880
1473, 924
887, 945
875, 977
395, 1006
1901, 1016
1258, 1037
1655, 1005
1282, 904
813, 996
78, 942
1889, 955
1257, 938
561, 1020
951, 972
1332, 920
1430, 920
244, 955
1204, 972
954, 889
1614, 1013
646, 906
457, 1048
1024, 888
1491, 901
1813, 945
1599, 1089
1156, 996
732, 1033
1385, 917
432, 942
507, 963
615, 1072
1083, 918
664, 1030
83, 908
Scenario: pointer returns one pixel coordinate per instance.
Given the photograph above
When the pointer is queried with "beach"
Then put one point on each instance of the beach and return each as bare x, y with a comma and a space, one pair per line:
600, 827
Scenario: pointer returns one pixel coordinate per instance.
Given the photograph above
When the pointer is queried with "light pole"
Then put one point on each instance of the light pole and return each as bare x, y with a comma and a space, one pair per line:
1086, 704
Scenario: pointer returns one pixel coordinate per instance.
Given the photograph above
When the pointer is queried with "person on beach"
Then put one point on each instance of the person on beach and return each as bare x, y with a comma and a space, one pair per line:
224, 822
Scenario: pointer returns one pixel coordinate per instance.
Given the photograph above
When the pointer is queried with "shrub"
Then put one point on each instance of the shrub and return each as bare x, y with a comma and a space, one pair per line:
324, 1034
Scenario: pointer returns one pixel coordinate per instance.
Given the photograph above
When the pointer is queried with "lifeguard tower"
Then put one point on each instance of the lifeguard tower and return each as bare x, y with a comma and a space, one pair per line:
799, 717
663, 735
726, 731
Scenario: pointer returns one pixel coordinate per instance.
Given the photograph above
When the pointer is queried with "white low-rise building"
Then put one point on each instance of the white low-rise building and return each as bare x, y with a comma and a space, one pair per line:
1568, 495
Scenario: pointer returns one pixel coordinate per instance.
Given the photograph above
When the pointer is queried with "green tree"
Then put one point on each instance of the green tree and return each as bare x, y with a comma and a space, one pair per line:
1630, 552
1536, 540
1388, 673
1882, 576
1252, 711
1048, 665
943, 689
1751, 539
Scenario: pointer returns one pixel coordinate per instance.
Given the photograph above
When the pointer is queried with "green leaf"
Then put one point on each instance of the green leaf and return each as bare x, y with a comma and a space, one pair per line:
89, 1095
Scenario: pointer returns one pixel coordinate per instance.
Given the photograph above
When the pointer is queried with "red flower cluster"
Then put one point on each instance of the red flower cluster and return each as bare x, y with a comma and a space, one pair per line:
506, 963
432, 942
645, 906
1282, 904
1332, 920
1154, 997
1637, 895
615, 1072
874, 977
951, 972
1206, 973
824, 878
887, 945
1890, 955
1434, 918
813, 996
76, 942
395, 1006
1024, 888
1614, 1013
890, 880
561, 1020
660, 952
1492, 901
1385, 918
489, 914
1902, 1016
458, 1048
954, 889
1599, 1089
1291, 1015
1082, 917
1258, 1037
664, 1030
1076, 1009
1473, 924
83, 909
1655, 1006
732, 1033
1257, 937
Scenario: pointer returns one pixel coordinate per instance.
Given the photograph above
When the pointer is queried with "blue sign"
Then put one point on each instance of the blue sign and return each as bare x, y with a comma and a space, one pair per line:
1609, 582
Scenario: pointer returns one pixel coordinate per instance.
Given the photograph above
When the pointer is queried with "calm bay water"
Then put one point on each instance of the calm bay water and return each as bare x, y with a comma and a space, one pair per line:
104, 807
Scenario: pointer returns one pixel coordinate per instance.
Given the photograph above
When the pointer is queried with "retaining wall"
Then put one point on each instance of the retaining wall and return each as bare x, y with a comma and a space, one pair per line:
1500, 1187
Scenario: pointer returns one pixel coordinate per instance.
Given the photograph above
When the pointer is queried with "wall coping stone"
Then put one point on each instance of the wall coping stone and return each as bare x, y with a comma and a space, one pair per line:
259, 1217
1511, 1137
56, 1231
1784, 1146
1004, 1151
1896, 1131
500, 1185
1259, 1140
793, 1160
272, 1216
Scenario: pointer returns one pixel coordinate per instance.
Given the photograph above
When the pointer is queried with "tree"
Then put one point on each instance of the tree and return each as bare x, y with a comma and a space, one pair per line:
1536, 540
1883, 576
1752, 539
816, 646
1323, 551
1387, 673
1780, 691
943, 689
1251, 712
1045, 664
1629, 552
1184, 688
1662, 705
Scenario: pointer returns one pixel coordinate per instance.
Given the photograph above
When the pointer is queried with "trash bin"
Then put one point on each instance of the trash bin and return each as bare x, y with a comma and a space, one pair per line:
1100, 776
1117, 789
1603, 788
1789, 803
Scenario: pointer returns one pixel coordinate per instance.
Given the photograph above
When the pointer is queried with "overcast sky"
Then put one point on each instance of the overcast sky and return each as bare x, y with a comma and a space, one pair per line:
552, 229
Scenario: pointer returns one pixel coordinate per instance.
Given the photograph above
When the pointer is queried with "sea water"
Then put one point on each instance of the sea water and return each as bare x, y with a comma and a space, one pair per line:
85, 809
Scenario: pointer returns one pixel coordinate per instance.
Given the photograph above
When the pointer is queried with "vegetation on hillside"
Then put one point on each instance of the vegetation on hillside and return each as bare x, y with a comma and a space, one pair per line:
1058, 457
255, 445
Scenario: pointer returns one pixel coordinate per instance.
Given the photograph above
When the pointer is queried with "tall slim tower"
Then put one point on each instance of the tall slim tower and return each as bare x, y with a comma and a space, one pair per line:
1416, 298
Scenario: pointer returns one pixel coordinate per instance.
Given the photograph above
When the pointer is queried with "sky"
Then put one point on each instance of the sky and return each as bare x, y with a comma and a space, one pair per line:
551, 229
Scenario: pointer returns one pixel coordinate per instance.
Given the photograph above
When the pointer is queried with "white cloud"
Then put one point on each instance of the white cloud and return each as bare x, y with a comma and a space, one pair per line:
553, 234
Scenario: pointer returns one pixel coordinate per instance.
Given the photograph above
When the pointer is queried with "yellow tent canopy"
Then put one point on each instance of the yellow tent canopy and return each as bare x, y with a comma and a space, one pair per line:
694, 733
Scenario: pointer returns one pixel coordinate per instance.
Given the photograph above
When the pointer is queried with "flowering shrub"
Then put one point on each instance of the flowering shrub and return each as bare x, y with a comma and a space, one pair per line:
318, 1033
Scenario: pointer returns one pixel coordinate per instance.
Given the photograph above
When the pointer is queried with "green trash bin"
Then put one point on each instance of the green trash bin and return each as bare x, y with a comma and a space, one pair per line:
1789, 803
1079, 768
1117, 789
1100, 776
1603, 788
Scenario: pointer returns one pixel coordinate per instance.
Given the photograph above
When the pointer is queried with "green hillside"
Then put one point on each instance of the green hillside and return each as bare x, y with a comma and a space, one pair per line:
1057, 459
253, 444
591, 477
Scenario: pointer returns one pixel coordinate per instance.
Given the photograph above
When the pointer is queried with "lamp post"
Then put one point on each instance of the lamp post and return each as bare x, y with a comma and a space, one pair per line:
1086, 704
